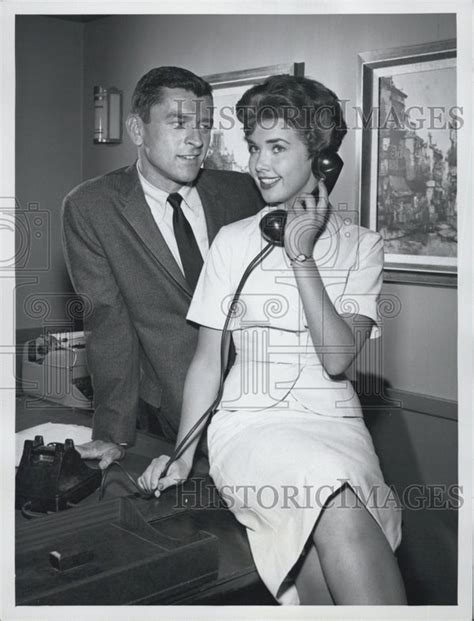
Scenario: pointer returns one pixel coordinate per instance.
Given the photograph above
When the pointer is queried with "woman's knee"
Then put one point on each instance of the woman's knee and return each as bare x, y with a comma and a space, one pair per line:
344, 521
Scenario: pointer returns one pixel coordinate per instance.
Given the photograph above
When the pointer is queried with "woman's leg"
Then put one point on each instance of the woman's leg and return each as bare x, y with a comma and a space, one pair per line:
356, 558
310, 581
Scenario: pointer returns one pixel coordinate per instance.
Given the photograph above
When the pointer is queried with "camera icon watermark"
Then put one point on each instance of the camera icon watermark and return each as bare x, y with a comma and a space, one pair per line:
31, 231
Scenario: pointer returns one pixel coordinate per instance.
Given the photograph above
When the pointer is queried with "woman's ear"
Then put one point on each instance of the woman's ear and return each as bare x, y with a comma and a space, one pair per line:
134, 126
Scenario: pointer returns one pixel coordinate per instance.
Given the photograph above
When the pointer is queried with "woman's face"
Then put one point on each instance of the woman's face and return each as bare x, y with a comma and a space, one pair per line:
279, 162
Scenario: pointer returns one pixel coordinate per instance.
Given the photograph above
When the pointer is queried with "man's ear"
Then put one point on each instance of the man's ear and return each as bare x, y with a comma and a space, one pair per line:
134, 126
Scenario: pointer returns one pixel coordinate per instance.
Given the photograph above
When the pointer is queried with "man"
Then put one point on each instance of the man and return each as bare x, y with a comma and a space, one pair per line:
134, 240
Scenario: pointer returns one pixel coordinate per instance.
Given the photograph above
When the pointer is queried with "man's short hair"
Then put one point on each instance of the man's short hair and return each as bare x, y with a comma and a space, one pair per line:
149, 88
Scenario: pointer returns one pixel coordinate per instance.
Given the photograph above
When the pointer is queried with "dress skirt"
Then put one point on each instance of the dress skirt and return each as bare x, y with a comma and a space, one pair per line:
276, 470
287, 436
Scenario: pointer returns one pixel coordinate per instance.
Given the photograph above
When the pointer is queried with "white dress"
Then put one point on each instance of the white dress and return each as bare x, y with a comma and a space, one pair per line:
286, 436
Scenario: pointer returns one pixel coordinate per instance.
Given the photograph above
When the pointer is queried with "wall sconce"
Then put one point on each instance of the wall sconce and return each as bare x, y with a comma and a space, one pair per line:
107, 115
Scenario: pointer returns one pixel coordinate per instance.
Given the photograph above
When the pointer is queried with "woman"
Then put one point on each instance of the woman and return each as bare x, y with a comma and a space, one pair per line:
288, 447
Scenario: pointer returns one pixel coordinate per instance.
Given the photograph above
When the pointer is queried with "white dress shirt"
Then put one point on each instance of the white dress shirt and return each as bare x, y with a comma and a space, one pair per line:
162, 213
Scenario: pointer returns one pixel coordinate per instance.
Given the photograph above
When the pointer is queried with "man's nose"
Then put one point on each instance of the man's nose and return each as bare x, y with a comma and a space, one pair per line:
195, 137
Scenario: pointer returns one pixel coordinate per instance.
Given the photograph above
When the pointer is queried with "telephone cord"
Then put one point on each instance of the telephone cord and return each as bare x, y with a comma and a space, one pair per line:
189, 437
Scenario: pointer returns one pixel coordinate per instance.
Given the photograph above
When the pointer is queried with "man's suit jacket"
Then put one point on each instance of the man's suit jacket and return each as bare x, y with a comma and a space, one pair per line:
139, 343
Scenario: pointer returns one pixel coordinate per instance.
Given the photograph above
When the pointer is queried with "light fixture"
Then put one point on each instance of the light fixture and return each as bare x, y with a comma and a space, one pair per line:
107, 115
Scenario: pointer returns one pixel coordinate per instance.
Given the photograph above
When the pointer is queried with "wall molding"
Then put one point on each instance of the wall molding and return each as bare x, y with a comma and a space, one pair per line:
394, 399
390, 399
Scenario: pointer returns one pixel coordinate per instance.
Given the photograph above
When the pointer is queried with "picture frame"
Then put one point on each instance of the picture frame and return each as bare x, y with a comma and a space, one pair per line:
408, 117
227, 148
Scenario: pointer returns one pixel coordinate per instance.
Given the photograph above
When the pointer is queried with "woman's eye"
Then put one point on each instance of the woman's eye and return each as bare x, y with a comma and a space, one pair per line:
252, 148
278, 148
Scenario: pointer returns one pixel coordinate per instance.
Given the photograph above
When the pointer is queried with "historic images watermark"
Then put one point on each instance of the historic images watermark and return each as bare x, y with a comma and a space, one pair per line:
198, 493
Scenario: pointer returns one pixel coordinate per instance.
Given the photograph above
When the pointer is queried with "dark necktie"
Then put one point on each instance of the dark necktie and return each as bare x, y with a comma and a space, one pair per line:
188, 249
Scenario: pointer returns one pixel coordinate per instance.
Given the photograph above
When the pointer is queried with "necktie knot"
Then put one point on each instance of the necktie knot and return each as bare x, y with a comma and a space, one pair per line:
175, 199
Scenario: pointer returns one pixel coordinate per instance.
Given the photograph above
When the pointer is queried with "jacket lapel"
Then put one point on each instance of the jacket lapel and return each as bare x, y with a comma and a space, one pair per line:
214, 210
137, 213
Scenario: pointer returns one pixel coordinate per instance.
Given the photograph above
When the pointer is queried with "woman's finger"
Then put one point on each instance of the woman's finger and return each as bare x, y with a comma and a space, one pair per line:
145, 480
298, 205
149, 479
173, 476
159, 466
323, 200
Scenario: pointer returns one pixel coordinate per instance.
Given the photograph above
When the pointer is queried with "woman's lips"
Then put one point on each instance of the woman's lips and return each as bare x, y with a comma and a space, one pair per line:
268, 182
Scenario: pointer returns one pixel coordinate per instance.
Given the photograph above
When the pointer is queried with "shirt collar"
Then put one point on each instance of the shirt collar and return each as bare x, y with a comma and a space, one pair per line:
188, 192
190, 196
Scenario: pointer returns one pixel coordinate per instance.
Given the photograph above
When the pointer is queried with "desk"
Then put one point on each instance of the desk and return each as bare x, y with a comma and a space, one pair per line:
237, 581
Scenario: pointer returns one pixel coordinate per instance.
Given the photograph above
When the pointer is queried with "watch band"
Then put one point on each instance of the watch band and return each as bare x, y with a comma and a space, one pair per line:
301, 258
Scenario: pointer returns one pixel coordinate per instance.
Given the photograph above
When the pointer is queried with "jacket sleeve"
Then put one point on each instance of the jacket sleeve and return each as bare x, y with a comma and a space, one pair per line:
112, 344
364, 281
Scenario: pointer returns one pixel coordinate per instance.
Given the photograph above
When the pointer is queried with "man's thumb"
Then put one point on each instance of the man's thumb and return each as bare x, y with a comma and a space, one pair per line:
105, 462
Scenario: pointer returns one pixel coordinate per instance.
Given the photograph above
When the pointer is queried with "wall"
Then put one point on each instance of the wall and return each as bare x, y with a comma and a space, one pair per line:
49, 69
418, 348
55, 150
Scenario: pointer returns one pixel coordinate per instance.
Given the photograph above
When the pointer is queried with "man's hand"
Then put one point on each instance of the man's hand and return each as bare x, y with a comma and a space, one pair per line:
150, 480
305, 221
107, 452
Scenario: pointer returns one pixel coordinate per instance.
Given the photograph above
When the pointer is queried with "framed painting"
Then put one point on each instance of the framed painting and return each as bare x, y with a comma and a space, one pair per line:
409, 117
227, 149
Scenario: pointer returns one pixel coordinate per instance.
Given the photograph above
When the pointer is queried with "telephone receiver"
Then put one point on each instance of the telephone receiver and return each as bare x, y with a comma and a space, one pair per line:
327, 166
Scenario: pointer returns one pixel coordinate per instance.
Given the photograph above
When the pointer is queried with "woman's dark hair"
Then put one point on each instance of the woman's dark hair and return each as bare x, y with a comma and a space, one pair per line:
149, 88
306, 105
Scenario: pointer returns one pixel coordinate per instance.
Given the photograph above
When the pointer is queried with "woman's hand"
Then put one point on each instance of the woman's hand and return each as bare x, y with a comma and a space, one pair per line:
305, 221
150, 480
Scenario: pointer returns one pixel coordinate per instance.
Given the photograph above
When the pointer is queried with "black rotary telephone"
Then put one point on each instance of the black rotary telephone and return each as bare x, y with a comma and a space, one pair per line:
329, 166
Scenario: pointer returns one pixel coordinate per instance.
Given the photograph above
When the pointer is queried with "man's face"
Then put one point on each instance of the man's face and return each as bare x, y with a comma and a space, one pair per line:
173, 145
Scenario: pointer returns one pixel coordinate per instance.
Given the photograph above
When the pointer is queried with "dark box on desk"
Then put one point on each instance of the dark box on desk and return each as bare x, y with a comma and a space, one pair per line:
107, 554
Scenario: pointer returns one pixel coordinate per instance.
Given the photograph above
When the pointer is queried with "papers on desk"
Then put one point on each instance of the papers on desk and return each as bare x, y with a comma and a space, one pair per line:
51, 432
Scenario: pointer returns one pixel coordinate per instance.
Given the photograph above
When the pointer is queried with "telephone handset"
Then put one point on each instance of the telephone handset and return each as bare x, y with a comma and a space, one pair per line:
327, 166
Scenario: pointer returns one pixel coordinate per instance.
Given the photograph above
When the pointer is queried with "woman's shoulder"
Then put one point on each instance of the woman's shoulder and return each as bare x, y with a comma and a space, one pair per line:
241, 228
352, 233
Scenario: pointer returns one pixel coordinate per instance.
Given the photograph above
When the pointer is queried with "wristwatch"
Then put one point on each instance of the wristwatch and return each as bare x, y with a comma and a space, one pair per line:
301, 258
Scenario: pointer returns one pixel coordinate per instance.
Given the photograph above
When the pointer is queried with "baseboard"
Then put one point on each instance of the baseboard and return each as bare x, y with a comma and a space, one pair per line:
392, 399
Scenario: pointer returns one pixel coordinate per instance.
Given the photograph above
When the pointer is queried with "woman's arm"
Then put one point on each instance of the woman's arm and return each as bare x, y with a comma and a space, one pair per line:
336, 338
200, 390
